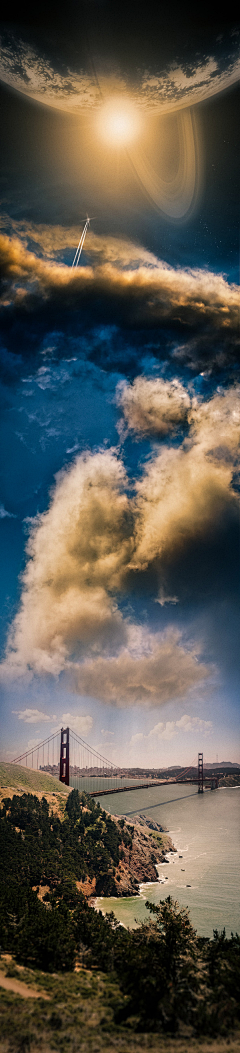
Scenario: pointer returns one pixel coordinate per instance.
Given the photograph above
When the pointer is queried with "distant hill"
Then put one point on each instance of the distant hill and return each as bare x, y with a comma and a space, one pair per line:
20, 778
221, 764
207, 764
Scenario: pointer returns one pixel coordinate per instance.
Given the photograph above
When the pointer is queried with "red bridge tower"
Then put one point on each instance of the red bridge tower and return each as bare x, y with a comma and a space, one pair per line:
64, 756
200, 773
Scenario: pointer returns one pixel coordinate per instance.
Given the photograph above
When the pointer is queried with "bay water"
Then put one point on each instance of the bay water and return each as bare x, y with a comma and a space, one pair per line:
204, 873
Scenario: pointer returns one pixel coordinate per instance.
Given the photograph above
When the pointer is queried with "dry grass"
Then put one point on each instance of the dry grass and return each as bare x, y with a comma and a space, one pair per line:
79, 1018
15, 779
29, 781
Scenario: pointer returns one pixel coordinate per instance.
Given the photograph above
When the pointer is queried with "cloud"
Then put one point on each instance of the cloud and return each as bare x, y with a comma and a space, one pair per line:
52, 239
186, 490
188, 723
85, 550
77, 554
153, 407
6, 515
161, 669
162, 598
169, 729
165, 731
32, 716
79, 722
119, 291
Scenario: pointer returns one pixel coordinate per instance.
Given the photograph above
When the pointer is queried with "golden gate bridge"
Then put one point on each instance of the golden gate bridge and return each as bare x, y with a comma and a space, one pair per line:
65, 755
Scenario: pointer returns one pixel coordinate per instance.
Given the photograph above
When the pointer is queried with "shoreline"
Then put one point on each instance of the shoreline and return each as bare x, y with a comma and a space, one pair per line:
145, 846
207, 890
135, 896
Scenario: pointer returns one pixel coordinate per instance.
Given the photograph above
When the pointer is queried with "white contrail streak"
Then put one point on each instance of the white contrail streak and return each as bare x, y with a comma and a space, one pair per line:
81, 244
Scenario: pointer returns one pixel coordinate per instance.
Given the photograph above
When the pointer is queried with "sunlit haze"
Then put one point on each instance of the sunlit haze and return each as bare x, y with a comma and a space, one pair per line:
119, 121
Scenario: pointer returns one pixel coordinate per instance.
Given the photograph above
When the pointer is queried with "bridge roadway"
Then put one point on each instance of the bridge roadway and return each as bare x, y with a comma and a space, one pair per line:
147, 785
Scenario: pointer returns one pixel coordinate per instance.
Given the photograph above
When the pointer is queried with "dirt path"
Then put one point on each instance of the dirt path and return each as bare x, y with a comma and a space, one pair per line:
18, 987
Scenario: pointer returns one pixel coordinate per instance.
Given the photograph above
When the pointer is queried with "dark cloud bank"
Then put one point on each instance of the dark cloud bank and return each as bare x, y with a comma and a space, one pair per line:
189, 316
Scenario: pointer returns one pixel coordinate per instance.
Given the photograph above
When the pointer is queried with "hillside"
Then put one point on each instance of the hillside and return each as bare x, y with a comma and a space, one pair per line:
139, 848
101, 854
77, 1011
159, 979
17, 777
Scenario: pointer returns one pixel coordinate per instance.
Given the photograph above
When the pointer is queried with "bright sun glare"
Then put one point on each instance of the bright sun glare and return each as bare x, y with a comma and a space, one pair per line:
118, 121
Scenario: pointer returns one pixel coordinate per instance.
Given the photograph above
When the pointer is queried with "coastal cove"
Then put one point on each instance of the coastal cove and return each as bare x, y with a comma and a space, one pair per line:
203, 873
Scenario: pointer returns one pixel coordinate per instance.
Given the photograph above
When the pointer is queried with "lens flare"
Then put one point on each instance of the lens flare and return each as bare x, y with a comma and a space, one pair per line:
174, 193
119, 121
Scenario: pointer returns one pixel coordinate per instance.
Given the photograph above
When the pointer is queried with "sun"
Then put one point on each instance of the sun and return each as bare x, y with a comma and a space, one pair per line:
118, 121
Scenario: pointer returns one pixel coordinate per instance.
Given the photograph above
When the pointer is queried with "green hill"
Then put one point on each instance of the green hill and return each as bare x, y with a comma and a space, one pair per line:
20, 778
160, 978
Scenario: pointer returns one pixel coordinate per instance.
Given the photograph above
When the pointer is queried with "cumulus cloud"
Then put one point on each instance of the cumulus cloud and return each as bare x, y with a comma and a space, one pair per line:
32, 716
83, 550
162, 668
163, 730
169, 729
186, 490
153, 407
188, 723
149, 294
77, 552
79, 722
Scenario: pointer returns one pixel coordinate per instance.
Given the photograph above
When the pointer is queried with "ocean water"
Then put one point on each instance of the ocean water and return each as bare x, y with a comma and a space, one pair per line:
90, 783
203, 874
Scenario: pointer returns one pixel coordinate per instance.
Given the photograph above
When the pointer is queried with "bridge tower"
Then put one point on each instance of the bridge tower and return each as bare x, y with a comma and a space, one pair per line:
64, 756
200, 773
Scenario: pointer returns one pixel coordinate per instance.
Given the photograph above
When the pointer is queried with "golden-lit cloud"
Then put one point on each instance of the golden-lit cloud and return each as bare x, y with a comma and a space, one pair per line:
83, 550
149, 294
186, 490
78, 557
153, 407
53, 238
77, 552
159, 670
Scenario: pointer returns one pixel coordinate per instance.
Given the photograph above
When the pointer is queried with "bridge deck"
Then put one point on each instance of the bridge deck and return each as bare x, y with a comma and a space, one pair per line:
146, 786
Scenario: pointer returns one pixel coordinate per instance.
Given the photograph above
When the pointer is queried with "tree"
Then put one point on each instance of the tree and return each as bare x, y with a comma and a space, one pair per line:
161, 974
